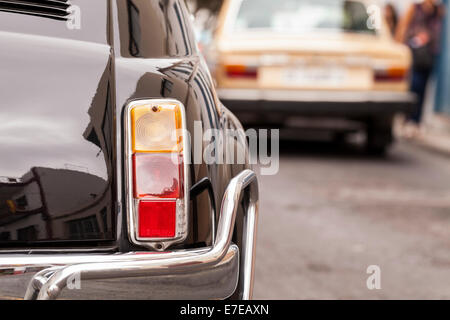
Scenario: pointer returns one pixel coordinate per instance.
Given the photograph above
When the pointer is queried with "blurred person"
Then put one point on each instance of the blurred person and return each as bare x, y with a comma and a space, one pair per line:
390, 14
421, 30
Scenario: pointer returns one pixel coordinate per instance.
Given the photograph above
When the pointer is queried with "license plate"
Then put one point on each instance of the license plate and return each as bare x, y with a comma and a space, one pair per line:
319, 76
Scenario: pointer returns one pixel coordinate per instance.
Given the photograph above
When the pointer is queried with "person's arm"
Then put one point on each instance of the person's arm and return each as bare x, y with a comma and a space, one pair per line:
404, 24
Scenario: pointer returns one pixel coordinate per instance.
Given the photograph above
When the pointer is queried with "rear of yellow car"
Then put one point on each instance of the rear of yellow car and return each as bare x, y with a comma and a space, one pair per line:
311, 58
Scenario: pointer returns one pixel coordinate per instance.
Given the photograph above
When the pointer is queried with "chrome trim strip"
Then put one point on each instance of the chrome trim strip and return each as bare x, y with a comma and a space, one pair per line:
49, 283
247, 180
99, 250
249, 257
314, 96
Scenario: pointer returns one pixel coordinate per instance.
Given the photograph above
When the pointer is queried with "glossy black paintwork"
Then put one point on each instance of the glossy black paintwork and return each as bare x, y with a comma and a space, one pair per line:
56, 135
62, 108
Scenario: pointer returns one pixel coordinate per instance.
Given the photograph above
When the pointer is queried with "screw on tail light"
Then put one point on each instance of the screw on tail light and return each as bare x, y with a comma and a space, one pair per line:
157, 176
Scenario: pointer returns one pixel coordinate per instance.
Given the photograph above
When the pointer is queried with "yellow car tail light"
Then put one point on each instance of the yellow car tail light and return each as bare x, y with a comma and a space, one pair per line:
157, 173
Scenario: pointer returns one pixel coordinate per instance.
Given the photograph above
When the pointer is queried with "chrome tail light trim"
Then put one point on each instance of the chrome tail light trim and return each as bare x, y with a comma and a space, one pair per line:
155, 244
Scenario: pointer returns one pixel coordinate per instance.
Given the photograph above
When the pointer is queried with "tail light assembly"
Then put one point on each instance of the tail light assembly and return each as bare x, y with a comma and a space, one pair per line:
241, 71
157, 175
390, 75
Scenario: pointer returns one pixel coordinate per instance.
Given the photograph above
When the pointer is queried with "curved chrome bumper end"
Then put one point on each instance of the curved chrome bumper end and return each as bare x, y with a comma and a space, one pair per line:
206, 273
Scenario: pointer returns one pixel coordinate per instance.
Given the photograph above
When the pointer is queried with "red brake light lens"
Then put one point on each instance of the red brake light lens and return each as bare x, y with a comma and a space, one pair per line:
157, 219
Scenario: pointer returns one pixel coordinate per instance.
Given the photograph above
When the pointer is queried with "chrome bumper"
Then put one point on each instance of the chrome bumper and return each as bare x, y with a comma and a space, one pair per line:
316, 96
207, 273
265, 105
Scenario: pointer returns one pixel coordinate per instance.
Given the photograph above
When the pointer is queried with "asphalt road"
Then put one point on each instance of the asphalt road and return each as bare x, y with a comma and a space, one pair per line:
332, 211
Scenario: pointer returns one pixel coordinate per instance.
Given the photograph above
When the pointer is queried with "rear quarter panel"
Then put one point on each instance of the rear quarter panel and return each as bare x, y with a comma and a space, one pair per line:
157, 57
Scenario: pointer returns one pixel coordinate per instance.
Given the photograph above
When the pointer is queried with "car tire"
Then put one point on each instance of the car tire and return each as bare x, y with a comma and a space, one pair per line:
379, 136
340, 138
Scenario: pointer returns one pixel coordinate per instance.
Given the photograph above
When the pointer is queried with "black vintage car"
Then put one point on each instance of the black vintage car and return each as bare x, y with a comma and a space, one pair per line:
100, 192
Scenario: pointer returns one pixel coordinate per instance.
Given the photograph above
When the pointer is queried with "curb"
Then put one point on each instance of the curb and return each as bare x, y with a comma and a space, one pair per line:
435, 143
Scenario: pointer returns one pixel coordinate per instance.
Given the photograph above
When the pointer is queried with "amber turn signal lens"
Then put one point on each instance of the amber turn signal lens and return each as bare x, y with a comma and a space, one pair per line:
155, 128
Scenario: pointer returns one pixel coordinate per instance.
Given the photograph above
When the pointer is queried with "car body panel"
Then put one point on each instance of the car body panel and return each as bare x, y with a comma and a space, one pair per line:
281, 56
56, 141
90, 83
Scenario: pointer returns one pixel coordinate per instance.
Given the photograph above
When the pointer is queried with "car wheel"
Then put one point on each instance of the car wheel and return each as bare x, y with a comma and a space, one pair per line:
379, 136
340, 138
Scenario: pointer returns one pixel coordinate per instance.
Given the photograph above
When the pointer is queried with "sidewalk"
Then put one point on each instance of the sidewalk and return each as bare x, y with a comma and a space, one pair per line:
436, 136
